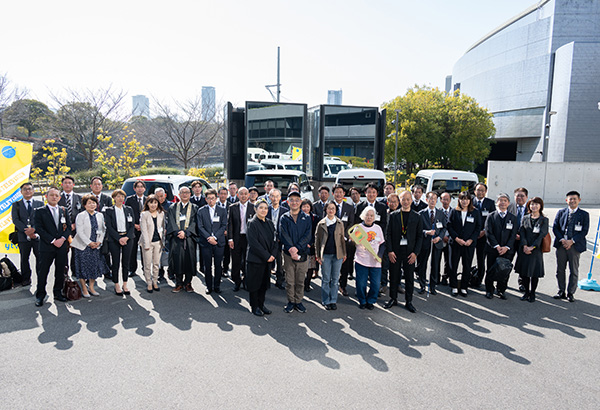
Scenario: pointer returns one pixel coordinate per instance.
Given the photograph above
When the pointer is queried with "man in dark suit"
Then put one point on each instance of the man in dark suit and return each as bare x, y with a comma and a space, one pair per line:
403, 240
233, 193
136, 203
161, 195
388, 188
319, 206
418, 205
181, 233
345, 211
434, 230
274, 215
500, 232
269, 185
223, 202
72, 203
54, 227
197, 198
571, 225
445, 200
380, 207
22, 213
237, 222
212, 225
519, 209
103, 199
485, 206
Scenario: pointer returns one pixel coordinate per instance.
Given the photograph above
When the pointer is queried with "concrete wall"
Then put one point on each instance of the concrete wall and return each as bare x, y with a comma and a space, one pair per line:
550, 181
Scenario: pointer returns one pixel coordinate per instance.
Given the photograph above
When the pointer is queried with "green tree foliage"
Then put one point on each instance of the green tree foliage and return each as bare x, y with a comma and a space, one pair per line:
438, 129
32, 115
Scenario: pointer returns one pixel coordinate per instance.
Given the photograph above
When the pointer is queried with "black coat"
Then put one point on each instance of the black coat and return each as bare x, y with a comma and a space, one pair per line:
45, 227
381, 210
499, 231
21, 218
418, 208
104, 201
261, 246
207, 227
439, 225
470, 230
110, 220
532, 265
319, 209
414, 232
199, 203
486, 207
348, 216
75, 204
234, 223
132, 202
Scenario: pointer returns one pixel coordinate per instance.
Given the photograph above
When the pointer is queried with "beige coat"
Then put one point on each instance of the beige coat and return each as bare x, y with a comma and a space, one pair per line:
147, 228
321, 235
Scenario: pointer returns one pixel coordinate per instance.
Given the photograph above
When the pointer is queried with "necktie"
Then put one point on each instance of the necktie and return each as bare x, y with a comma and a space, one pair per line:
29, 208
140, 204
502, 215
569, 230
69, 206
340, 210
432, 217
446, 215
55, 216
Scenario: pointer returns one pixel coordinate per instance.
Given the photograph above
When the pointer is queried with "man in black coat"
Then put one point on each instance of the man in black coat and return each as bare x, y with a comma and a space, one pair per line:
232, 193
380, 207
211, 222
485, 206
404, 239
274, 214
223, 202
53, 225
22, 213
434, 230
500, 232
345, 211
319, 206
181, 233
237, 222
418, 204
136, 203
103, 199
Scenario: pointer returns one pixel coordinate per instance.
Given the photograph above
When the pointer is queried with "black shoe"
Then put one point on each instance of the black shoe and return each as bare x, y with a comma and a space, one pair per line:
570, 297
433, 291
265, 310
26, 283
60, 298
157, 289
409, 306
390, 303
502, 295
300, 307
525, 296
288, 308
219, 291
421, 291
370, 306
236, 287
132, 274
560, 295
532, 297
463, 293
257, 312
127, 292
362, 306
225, 274
149, 290
328, 307
521, 288
344, 291
333, 306
280, 286
489, 295
444, 282
208, 291
39, 302
350, 277
171, 277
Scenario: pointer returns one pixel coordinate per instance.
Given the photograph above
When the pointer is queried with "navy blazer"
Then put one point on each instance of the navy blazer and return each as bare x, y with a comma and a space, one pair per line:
580, 218
270, 216
132, 202
439, 225
75, 204
45, 227
199, 203
206, 227
497, 232
470, 230
381, 210
486, 207
110, 220
104, 201
21, 218
319, 209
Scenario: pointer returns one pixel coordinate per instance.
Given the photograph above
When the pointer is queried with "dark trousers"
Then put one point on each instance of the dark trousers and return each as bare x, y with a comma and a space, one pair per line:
447, 252
212, 255
279, 274
135, 245
120, 255
464, 253
492, 255
47, 258
226, 257
385, 268
25, 249
238, 259
348, 265
257, 297
480, 251
396, 270
434, 271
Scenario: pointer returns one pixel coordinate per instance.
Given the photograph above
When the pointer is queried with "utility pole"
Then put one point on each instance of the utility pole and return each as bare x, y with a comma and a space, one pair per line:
278, 85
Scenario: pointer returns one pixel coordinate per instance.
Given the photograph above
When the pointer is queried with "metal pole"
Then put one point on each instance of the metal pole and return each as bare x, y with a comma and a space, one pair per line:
278, 84
396, 152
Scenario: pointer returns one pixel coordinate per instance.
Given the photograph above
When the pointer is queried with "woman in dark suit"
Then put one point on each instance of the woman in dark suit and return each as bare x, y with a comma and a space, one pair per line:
119, 229
530, 263
262, 247
464, 227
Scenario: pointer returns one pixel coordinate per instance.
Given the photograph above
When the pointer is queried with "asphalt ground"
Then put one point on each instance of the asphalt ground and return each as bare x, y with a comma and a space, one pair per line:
190, 350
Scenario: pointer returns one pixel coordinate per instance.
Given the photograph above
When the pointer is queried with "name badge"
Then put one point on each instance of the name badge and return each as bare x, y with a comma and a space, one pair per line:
439, 225
181, 218
64, 221
403, 242
345, 218
536, 229
509, 225
470, 219
129, 218
578, 227
216, 219
78, 206
485, 213
378, 218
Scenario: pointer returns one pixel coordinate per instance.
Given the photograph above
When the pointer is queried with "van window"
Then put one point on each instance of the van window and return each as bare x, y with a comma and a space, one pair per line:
423, 182
361, 183
281, 182
335, 169
294, 167
452, 186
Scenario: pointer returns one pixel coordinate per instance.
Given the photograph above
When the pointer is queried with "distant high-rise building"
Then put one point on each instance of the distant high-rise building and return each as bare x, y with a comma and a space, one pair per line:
141, 106
334, 97
208, 104
448, 83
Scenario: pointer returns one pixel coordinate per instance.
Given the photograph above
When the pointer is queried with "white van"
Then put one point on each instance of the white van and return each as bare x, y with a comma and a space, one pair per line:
332, 166
446, 180
282, 164
359, 177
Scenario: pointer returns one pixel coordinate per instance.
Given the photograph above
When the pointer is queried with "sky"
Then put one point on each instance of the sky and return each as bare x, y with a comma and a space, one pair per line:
373, 50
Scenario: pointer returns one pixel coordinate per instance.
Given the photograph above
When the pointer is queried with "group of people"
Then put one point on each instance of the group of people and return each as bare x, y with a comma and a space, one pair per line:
378, 242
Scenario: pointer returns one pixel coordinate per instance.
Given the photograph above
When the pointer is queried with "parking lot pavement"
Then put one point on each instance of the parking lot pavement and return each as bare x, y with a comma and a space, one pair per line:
185, 350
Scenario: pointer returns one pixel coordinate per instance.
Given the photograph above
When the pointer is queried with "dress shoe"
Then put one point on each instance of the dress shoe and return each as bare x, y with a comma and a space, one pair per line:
149, 290
156, 288
60, 298
350, 277
218, 291
94, 293
127, 292
39, 302
344, 291
489, 295
390, 303
328, 307
463, 293
132, 274
307, 289
189, 288
288, 308
409, 306
370, 306
208, 291
120, 293
225, 274
525, 296
236, 287
521, 288
26, 283
280, 286
333, 306
177, 289
362, 306
433, 291
532, 297
421, 291
560, 295
265, 310
86, 295
570, 297
502, 295
300, 307
257, 312
444, 281
454, 292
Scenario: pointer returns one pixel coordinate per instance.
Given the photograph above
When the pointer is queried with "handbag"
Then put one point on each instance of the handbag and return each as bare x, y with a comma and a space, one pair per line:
547, 243
13, 237
71, 289
104, 248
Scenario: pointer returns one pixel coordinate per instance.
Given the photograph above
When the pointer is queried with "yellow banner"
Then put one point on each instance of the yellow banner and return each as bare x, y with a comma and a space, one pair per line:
296, 153
15, 164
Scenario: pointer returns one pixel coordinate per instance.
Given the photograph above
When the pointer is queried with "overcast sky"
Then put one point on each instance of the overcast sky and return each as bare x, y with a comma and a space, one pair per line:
372, 50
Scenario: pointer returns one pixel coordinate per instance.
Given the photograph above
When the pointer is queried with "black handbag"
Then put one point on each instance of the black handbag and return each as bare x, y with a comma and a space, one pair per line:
104, 248
13, 237
500, 270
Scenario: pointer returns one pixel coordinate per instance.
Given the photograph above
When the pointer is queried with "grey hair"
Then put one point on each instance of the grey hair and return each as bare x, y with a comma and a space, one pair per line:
367, 209
159, 189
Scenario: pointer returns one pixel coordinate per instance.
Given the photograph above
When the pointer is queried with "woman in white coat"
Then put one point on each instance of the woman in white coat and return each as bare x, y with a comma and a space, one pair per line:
89, 261
152, 227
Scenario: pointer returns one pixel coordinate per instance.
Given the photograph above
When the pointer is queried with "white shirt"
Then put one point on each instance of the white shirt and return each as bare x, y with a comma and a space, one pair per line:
464, 216
120, 217
243, 217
